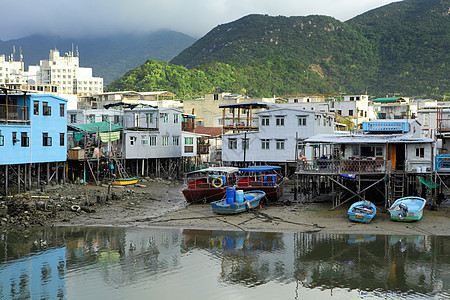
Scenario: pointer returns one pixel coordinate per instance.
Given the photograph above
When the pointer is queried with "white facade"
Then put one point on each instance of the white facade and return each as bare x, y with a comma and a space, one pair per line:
11, 72
280, 131
162, 141
65, 73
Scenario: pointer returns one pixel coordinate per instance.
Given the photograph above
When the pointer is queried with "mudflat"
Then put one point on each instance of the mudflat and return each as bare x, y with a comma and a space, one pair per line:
161, 204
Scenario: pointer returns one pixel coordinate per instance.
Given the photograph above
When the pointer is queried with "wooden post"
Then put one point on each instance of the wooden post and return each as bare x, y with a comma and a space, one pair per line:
29, 176
57, 175
18, 178
39, 175
6, 179
48, 173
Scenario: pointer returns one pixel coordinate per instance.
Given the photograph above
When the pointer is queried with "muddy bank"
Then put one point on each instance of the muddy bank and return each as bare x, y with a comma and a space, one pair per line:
160, 203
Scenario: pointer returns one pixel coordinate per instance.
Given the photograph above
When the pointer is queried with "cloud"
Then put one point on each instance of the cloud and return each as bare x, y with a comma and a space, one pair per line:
76, 18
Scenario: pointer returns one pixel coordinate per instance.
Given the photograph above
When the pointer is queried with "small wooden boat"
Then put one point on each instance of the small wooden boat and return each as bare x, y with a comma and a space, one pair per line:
124, 181
362, 211
250, 200
407, 209
262, 178
209, 184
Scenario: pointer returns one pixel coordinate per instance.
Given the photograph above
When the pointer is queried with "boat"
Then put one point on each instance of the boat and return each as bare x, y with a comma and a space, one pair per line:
263, 178
248, 200
362, 211
407, 209
208, 184
124, 181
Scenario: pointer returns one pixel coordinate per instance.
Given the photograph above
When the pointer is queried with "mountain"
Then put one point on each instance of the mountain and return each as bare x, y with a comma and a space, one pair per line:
109, 57
399, 48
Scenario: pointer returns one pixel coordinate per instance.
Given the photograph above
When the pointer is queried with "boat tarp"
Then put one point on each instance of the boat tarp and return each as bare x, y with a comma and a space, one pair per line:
260, 169
216, 170
104, 126
428, 182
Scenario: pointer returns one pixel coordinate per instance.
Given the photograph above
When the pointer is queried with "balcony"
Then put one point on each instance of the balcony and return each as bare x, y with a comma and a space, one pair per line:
442, 162
15, 114
344, 166
203, 149
386, 127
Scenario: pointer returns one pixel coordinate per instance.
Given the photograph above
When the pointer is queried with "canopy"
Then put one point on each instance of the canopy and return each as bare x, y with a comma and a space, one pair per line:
428, 182
216, 170
260, 169
97, 127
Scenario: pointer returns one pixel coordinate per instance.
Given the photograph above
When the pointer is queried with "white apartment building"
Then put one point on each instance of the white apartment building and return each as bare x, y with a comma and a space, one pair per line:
65, 73
11, 72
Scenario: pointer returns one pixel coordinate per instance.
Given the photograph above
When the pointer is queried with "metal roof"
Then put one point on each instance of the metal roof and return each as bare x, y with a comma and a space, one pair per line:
366, 139
245, 105
96, 127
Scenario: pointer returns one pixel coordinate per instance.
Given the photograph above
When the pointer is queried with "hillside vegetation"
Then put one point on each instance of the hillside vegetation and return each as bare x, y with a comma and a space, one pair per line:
399, 48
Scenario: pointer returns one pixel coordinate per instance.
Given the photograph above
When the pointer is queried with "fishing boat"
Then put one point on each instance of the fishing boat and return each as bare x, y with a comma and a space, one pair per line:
263, 178
124, 181
208, 184
247, 200
362, 211
407, 209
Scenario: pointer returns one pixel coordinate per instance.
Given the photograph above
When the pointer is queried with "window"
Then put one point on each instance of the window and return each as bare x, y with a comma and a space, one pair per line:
165, 141
117, 120
62, 139
46, 140
426, 119
216, 96
350, 112
104, 118
245, 144
352, 98
279, 121
232, 144
339, 112
14, 138
91, 118
165, 117
176, 140
188, 149
153, 140
189, 141
301, 121
378, 151
24, 140
420, 152
73, 118
2, 139
175, 118
61, 110
133, 140
144, 140
356, 151
265, 121
265, 144
149, 119
36, 107
280, 144
46, 110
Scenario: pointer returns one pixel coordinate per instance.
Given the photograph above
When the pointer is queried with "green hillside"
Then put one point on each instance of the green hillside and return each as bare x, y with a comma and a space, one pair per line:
398, 48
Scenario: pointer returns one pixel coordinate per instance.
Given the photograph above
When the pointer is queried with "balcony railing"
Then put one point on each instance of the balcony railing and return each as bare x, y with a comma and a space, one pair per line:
442, 162
345, 166
14, 113
203, 149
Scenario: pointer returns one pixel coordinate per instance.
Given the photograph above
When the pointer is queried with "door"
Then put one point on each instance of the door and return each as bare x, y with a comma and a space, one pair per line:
392, 155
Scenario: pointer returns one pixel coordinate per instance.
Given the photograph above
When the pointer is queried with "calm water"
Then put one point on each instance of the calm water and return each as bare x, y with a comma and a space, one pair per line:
118, 263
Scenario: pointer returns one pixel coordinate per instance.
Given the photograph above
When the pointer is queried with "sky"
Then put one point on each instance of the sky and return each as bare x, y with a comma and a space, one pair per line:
82, 18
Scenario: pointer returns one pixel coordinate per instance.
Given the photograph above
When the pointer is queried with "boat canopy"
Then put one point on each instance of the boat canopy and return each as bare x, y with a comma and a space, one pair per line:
216, 170
260, 169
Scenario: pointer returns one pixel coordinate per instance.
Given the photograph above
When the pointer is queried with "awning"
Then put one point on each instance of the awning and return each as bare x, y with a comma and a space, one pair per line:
428, 182
96, 127
260, 169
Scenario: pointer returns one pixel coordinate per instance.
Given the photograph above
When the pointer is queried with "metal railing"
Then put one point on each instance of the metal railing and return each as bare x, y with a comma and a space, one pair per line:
345, 166
14, 112
442, 161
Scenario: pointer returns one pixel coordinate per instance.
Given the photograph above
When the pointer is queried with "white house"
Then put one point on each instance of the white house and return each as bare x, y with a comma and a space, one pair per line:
281, 129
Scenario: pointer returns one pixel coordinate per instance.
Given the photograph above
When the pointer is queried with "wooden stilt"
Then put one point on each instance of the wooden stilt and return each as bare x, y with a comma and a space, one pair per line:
6, 179
29, 177
18, 179
48, 173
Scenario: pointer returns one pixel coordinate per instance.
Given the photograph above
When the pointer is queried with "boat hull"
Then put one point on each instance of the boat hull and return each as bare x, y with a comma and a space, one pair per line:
205, 195
362, 211
224, 208
415, 207
125, 181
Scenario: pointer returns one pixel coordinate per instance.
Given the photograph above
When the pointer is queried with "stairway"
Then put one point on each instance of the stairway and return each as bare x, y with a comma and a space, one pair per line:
120, 168
398, 185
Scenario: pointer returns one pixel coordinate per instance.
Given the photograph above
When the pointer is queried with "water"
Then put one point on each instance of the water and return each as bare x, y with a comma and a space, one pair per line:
137, 263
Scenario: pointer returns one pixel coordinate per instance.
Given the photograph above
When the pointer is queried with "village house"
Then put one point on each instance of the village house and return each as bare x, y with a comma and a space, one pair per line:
33, 132
275, 136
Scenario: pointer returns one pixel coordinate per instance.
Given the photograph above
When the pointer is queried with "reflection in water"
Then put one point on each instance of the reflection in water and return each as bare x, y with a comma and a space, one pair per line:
130, 263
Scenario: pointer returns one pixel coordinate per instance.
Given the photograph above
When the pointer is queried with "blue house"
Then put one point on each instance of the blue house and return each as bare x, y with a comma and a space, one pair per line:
33, 128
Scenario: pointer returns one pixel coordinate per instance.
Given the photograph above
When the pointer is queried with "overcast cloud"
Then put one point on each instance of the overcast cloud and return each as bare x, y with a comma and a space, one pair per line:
75, 18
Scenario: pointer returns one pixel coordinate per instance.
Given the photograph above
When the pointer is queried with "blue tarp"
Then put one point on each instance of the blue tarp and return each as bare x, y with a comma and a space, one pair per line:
260, 169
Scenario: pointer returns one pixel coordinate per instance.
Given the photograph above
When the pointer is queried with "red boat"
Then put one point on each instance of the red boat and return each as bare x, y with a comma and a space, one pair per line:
207, 185
263, 178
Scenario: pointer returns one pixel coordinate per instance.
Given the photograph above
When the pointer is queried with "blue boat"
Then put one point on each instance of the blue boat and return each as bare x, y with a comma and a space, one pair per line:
362, 211
407, 209
249, 200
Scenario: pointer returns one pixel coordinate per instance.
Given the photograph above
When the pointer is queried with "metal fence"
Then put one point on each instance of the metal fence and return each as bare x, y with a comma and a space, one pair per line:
14, 112
344, 166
